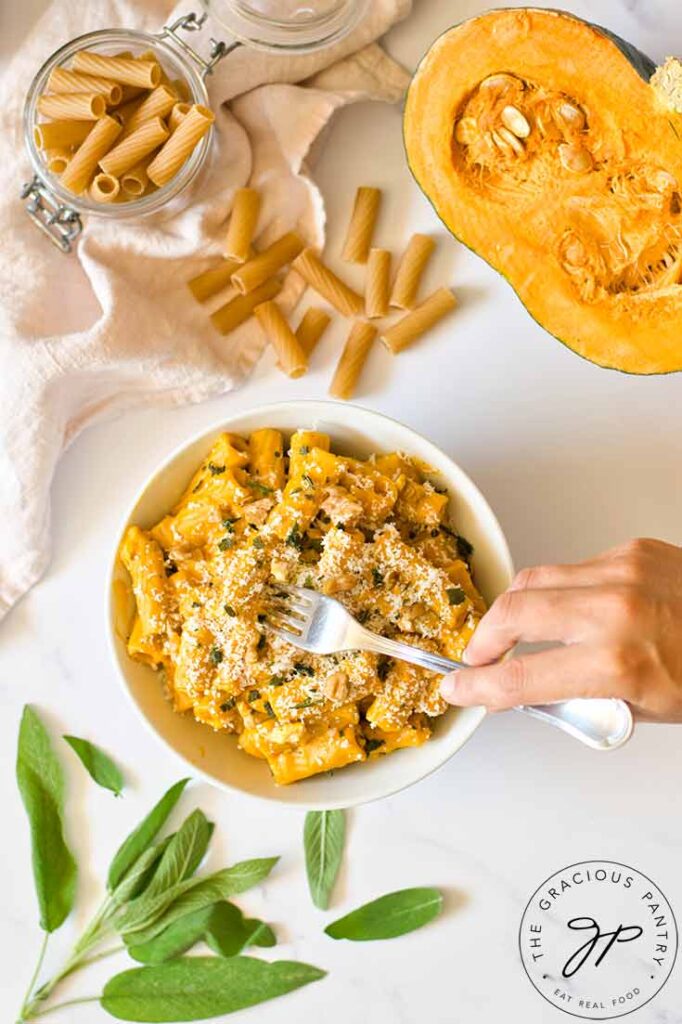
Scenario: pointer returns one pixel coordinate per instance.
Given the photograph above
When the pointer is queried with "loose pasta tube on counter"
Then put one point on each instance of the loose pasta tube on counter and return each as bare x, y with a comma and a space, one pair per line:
327, 284
410, 269
378, 283
242, 226
266, 264
411, 326
81, 106
83, 164
205, 285
180, 145
54, 134
179, 112
58, 159
126, 70
240, 308
130, 150
64, 80
353, 358
105, 188
361, 226
157, 103
292, 358
314, 323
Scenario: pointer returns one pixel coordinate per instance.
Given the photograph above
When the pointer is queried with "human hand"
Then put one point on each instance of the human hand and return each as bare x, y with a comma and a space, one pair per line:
618, 617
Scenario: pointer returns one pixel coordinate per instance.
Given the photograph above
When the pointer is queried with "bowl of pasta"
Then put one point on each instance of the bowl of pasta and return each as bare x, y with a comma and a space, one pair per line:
327, 496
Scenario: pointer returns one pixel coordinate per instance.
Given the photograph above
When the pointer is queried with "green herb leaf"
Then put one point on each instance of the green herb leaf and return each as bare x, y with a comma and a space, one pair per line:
226, 543
216, 470
229, 932
229, 610
41, 784
137, 879
372, 745
215, 655
97, 764
456, 595
182, 855
174, 940
194, 988
141, 837
149, 918
397, 913
378, 577
259, 487
323, 838
228, 704
294, 538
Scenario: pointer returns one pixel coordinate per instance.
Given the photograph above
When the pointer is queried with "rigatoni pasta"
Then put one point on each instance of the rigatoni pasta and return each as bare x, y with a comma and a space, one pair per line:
54, 134
58, 159
131, 149
157, 103
242, 226
126, 70
179, 112
105, 188
292, 358
134, 183
181, 143
314, 323
64, 80
82, 166
81, 106
327, 284
361, 226
212, 281
240, 308
410, 270
378, 283
265, 264
415, 323
353, 358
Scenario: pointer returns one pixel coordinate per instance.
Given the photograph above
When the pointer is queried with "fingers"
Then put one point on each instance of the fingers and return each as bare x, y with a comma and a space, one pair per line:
534, 616
559, 674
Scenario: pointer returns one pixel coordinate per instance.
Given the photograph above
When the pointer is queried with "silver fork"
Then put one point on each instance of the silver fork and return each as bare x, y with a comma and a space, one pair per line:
321, 625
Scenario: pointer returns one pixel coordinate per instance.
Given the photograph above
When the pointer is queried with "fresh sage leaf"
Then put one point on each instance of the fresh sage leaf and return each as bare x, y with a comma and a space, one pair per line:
147, 917
194, 988
183, 854
97, 764
142, 836
174, 940
41, 784
138, 878
394, 914
323, 838
229, 932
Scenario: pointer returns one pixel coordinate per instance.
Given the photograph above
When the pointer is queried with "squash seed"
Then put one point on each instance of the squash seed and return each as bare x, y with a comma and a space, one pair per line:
572, 116
513, 141
501, 81
466, 130
501, 143
575, 158
514, 120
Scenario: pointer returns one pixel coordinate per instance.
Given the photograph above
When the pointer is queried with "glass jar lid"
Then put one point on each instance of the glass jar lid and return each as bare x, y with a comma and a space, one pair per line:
291, 26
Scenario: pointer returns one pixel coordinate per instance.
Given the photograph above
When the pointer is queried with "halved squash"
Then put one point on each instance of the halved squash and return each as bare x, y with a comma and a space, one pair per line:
542, 147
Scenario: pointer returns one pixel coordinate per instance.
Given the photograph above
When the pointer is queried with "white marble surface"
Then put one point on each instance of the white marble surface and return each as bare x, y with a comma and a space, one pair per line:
573, 458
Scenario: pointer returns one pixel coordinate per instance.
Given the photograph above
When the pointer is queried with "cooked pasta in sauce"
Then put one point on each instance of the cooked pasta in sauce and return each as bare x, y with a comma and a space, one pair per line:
373, 534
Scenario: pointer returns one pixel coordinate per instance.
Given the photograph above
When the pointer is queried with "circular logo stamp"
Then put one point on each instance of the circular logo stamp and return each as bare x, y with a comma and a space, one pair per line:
598, 939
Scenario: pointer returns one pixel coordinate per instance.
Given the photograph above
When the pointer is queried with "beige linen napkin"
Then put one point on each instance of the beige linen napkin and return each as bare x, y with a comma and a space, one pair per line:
113, 325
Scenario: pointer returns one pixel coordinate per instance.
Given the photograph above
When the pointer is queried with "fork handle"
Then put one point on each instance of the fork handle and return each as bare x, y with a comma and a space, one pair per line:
600, 723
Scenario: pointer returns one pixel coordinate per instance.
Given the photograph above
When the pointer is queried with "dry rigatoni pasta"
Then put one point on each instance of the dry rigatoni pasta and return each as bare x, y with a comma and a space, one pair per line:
410, 270
56, 134
411, 326
378, 283
134, 182
292, 358
58, 159
212, 281
265, 264
157, 103
126, 70
181, 90
242, 226
64, 80
314, 323
179, 112
180, 145
240, 308
353, 358
327, 284
83, 164
105, 188
361, 226
81, 106
130, 150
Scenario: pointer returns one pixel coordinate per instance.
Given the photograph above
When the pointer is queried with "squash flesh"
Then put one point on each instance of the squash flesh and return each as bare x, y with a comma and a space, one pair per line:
594, 251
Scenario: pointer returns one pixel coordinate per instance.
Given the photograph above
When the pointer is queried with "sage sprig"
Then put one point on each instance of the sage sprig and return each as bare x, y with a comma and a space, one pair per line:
141, 837
395, 914
323, 839
97, 764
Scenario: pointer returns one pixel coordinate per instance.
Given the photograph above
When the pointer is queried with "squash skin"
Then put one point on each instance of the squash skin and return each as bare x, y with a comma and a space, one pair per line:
640, 344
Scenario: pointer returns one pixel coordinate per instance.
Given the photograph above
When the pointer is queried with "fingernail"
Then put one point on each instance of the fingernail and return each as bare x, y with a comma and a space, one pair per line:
449, 687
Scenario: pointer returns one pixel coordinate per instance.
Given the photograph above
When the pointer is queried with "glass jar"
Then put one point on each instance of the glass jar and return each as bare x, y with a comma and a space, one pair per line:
291, 26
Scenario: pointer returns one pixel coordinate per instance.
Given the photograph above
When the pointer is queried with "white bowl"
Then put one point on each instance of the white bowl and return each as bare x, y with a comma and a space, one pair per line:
215, 756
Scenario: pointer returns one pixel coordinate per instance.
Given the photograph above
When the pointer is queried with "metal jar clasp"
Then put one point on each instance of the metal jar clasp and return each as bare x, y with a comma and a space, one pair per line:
192, 23
60, 223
